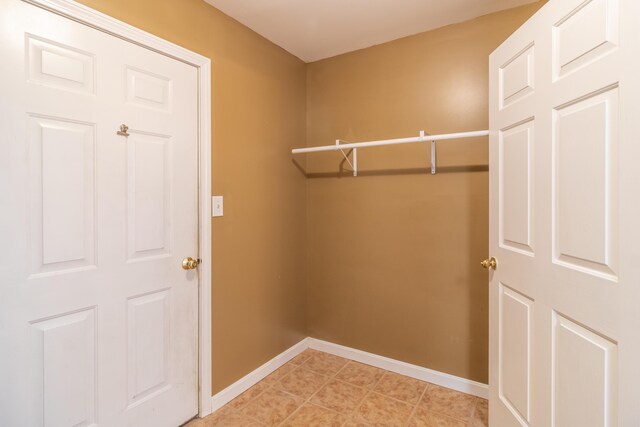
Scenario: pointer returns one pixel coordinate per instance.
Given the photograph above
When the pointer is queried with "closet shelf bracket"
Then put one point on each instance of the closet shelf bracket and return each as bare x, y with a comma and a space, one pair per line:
354, 154
434, 158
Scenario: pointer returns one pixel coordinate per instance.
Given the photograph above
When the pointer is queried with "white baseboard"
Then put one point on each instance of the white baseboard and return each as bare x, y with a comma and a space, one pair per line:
414, 371
223, 397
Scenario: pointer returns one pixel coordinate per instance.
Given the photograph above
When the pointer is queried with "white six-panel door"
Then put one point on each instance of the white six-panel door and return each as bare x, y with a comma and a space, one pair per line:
565, 220
98, 321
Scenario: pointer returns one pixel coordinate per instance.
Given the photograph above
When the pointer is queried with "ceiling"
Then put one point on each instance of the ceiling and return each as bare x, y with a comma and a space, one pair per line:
317, 29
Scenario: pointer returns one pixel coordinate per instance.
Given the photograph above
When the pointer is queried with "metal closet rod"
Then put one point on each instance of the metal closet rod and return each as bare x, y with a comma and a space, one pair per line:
422, 138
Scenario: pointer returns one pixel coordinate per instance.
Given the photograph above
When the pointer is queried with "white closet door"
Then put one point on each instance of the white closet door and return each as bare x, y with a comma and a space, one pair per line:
565, 218
98, 320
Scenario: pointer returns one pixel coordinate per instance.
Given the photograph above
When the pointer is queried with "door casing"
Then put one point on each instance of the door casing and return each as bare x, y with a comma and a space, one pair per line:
116, 28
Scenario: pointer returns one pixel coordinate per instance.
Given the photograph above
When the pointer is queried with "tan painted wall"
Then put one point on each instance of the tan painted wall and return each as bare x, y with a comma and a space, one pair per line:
393, 255
258, 116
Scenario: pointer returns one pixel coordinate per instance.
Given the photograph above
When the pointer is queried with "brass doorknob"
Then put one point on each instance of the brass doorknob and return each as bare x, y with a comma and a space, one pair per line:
490, 263
189, 263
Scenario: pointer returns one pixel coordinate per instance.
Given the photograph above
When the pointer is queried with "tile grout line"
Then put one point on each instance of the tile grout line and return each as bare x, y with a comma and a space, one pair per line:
297, 366
268, 387
349, 416
371, 390
415, 407
308, 400
368, 392
473, 413
453, 417
273, 386
304, 402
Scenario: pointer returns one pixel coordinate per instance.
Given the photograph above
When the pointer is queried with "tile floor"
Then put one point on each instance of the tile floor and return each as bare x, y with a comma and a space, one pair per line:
320, 389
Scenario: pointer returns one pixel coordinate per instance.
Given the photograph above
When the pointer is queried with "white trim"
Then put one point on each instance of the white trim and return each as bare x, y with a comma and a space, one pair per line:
414, 371
114, 27
225, 396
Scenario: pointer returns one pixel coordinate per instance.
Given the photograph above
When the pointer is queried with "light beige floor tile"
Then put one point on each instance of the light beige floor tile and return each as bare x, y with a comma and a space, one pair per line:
481, 414
448, 402
272, 406
360, 374
339, 396
212, 419
303, 357
225, 417
278, 374
302, 382
309, 415
401, 387
248, 395
353, 422
233, 420
324, 363
379, 410
424, 418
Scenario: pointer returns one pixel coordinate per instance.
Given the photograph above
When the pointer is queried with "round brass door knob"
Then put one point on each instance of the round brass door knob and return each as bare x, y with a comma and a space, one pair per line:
490, 263
189, 263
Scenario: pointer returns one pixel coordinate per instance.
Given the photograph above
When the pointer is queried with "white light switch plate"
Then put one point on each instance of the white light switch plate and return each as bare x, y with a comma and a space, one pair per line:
217, 206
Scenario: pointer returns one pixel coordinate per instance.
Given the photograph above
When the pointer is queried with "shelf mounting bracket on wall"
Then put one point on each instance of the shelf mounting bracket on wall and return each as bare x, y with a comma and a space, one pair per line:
354, 153
422, 138
434, 157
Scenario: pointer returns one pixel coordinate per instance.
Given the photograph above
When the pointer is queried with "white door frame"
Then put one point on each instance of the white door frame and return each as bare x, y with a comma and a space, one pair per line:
114, 27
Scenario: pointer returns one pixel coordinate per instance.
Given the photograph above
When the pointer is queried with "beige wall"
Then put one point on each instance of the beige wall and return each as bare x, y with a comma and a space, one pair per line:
258, 116
393, 255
